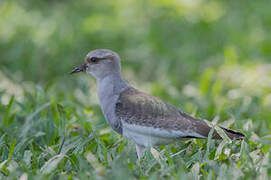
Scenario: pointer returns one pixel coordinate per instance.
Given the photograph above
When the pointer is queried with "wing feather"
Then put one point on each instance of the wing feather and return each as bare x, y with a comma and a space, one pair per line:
136, 107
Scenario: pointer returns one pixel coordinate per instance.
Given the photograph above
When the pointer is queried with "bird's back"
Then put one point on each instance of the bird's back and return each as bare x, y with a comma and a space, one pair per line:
138, 108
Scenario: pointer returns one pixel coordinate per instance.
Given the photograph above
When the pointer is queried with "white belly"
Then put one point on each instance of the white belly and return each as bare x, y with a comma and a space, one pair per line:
146, 139
147, 136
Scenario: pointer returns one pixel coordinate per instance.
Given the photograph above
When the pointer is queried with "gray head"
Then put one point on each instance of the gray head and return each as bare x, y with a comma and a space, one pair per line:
100, 63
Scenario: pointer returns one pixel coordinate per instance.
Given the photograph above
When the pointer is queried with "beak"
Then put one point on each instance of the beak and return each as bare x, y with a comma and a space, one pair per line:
81, 68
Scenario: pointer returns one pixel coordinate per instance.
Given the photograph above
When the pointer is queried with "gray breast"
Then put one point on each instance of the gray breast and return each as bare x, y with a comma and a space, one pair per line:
108, 108
109, 90
108, 99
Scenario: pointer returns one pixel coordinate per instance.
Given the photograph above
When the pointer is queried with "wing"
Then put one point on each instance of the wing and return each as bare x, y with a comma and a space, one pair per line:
136, 107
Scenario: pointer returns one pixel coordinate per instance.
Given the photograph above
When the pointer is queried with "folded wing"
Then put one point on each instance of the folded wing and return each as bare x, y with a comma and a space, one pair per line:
138, 108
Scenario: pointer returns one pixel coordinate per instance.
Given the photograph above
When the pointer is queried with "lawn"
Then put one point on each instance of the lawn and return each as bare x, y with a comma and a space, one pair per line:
208, 58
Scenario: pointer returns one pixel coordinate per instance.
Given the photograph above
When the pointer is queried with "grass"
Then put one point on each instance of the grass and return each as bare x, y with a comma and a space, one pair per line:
48, 136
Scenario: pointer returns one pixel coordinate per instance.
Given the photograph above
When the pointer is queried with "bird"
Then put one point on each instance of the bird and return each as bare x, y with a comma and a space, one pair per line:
138, 116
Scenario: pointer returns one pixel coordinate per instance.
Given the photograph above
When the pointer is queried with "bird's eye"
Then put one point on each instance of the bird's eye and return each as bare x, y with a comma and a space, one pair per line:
93, 59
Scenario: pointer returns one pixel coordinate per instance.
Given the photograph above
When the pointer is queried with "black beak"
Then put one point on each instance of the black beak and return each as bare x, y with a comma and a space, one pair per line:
81, 68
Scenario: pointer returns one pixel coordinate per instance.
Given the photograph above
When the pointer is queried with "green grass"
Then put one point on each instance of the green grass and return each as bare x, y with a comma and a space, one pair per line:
45, 135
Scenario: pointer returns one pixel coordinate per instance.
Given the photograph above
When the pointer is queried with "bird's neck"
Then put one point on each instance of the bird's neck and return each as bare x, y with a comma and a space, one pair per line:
109, 86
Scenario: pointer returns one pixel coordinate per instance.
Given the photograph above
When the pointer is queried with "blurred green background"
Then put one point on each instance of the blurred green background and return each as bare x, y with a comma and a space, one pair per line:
210, 58
212, 52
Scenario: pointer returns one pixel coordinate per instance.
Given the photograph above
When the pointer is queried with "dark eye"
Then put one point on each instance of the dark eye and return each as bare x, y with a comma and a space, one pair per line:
93, 59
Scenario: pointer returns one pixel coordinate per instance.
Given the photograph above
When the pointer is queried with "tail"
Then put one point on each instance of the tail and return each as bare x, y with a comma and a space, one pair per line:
202, 128
234, 135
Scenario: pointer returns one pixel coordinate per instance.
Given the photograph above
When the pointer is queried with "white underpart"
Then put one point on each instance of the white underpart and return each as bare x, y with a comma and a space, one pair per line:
149, 136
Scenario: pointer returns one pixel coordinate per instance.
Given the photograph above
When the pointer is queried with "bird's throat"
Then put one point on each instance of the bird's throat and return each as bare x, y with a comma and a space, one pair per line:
110, 87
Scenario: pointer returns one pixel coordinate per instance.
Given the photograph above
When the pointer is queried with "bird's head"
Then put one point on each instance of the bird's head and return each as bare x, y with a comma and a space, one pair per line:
100, 63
